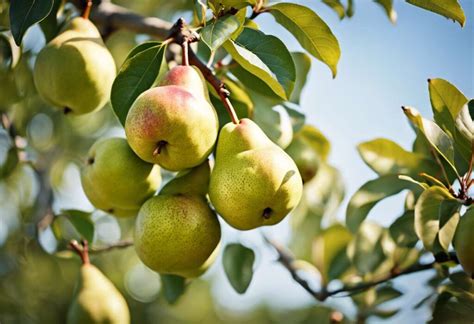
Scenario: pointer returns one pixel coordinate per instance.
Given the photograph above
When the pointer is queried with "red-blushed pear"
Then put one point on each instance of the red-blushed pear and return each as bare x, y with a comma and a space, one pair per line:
116, 180
75, 71
173, 125
254, 182
177, 232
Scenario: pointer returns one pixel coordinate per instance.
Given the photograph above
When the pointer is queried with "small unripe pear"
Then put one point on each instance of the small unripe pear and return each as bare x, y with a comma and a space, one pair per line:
464, 242
254, 182
173, 125
97, 300
116, 180
75, 71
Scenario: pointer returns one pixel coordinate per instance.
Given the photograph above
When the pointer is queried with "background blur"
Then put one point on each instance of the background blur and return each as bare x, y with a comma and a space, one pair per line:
383, 66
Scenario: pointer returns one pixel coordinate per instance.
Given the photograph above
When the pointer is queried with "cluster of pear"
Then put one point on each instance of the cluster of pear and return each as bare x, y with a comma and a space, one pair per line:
173, 125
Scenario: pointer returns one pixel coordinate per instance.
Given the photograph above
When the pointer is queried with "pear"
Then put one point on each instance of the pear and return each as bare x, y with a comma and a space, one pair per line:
306, 159
254, 182
116, 180
97, 300
173, 125
177, 232
75, 71
464, 242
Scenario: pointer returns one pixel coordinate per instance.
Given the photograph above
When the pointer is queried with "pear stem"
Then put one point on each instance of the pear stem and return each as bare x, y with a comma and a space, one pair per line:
87, 9
83, 251
179, 34
185, 53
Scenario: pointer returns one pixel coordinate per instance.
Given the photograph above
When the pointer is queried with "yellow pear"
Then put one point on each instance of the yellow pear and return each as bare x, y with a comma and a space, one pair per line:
116, 180
75, 71
173, 125
464, 242
254, 182
177, 232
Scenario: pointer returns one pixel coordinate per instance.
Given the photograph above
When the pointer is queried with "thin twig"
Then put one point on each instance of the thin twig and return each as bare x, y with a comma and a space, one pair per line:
118, 245
87, 9
287, 260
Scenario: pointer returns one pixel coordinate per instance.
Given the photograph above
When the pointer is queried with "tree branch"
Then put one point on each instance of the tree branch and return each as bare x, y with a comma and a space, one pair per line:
288, 260
118, 245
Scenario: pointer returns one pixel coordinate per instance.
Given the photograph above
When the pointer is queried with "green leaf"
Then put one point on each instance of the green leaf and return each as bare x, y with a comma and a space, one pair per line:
81, 221
238, 262
453, 306
316, 139
25, 13
136, 75
173, 287
438, 139
384, 313
266, 57
366, 250
447, 8
387, 157
387, 6
385, 294
297, 117
402, 230
219, 31
225, 5
370, 194
327, 246
436, 217
337, 6
311, 31
446, 101
303, 65
350, 8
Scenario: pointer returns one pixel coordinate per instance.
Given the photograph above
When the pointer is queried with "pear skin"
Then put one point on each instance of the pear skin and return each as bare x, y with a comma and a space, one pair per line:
116, 180
75, 71
254, 182
97, 300
464, 242
177, 232
189, 77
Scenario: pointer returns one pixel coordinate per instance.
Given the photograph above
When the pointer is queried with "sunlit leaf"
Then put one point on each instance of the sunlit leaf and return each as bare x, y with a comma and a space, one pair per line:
387, 157
387, 6
365, 250
370, 194
81, 221
436, 218
303, 65
447, 8
337, 6
310, 30
266, 57
238, 262
219, 31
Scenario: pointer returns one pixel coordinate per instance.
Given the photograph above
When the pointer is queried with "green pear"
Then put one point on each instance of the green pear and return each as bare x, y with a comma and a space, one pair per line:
254, 182
177, 232
305, 157
116, 180
464, 242
97, 300
173, 125
75, 71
